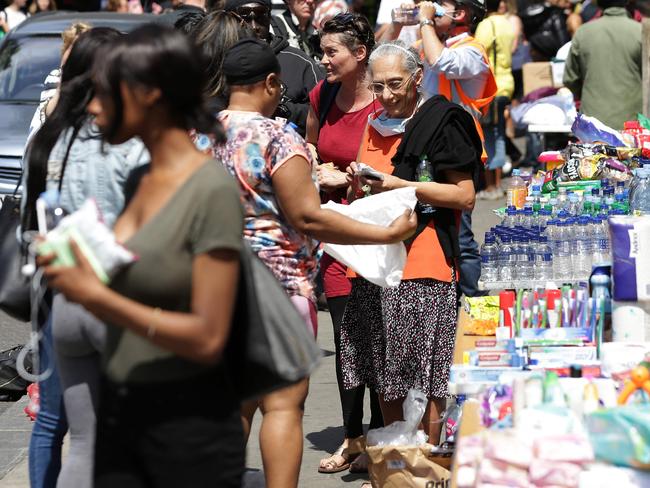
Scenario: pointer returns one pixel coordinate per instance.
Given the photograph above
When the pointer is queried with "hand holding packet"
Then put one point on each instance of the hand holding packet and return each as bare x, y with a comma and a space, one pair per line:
368, 172
96, 241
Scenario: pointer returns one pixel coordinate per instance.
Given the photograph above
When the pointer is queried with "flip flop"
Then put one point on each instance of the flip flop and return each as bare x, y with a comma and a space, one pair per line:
331, 466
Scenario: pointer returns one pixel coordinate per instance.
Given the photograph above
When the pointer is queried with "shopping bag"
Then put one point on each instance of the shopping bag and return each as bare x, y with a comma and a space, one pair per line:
269, 345
401, 466
381, 264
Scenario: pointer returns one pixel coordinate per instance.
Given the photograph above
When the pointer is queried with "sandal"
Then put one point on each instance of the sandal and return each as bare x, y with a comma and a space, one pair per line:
348, 454
360, 464
332, 465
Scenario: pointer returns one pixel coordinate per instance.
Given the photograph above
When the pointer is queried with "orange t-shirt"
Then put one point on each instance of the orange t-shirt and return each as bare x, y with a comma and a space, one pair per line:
425, 257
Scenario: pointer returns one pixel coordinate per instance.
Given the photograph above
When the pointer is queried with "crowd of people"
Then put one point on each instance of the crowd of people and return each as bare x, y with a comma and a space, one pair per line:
227, 120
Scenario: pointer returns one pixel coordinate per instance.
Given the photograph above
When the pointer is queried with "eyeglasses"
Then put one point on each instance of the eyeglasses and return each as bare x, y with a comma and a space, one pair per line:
393, 86
259, 14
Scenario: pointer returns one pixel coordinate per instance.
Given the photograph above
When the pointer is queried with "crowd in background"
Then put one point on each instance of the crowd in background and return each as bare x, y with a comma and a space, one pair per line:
323, 88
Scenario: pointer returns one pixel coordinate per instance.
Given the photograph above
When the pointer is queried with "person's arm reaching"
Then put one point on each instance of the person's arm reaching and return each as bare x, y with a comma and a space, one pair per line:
300, 202
455, 191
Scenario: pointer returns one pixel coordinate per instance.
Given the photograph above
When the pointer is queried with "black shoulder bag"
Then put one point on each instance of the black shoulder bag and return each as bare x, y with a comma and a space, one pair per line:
15, 288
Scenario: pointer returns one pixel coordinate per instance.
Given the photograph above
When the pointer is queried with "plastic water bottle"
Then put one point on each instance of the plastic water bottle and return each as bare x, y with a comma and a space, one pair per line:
620, 187
423, 173
527, 219
583, 249
543, 260
507, 259
523, 269
489, 259
640, 192
536, 193
516, 191
562, 251
511, 217
574, 205
600, 242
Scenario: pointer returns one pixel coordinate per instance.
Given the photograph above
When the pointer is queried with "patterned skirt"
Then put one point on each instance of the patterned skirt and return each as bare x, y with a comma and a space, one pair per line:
394, 339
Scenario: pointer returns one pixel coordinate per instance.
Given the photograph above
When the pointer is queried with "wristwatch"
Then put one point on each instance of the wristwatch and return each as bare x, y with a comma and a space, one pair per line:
424, 22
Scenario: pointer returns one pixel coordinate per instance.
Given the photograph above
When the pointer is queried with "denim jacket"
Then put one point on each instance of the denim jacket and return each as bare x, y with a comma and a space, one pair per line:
94, 170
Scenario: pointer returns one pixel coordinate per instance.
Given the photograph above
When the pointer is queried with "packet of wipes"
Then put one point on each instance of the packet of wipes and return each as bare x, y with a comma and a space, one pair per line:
96, 241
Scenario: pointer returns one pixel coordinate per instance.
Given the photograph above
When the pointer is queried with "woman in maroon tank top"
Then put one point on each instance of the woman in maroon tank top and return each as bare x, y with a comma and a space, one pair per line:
346, 41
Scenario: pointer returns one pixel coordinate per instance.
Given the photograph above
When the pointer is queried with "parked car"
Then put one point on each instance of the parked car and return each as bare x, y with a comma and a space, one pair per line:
27, 55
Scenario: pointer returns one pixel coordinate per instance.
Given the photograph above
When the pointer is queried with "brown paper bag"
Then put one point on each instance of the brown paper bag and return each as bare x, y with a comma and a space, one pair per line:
406, 466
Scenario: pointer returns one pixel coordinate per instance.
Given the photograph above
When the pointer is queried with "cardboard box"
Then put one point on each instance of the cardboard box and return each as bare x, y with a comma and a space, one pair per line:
537, 75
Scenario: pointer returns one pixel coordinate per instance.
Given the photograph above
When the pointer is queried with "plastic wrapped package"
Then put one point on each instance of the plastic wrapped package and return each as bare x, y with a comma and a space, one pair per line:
403, 432
500, 473
621, 435
509, 447
590, 129
95, 240
566, 448
381, 264
553, 474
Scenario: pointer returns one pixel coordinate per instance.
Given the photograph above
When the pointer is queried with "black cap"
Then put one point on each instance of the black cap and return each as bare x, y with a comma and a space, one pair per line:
234, 4
249, 61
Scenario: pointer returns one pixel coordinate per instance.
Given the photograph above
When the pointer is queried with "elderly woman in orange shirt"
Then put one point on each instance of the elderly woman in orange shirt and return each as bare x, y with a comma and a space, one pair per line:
433, 146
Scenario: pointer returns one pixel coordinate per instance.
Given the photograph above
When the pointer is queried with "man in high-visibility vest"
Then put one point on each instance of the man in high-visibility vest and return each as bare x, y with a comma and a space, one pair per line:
457, 67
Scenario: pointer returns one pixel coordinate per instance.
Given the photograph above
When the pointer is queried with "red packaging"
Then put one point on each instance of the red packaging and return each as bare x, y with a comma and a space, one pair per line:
506, 309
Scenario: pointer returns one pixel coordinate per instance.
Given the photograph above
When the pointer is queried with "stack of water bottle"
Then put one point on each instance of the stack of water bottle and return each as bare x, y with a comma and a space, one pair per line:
560, 238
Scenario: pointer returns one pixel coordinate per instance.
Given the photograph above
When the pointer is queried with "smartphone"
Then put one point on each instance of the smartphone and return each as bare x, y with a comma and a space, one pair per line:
372, 174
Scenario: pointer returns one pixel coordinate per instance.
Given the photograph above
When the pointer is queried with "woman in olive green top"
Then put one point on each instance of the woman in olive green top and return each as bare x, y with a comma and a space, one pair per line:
167, 416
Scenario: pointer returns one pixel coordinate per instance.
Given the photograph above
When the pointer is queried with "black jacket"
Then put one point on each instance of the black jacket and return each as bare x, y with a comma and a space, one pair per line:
446, 133
282, 25
300, 74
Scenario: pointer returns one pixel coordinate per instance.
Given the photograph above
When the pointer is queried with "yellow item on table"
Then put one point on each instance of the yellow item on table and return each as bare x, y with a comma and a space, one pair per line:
484, 315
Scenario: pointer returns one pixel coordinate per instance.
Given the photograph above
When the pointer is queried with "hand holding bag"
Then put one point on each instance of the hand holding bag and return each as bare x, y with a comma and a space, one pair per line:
269, 345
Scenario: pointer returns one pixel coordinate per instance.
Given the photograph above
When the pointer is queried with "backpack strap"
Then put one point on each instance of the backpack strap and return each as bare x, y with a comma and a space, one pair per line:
328, 93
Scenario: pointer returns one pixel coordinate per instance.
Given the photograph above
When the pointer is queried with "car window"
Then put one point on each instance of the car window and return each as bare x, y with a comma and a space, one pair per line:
25, 62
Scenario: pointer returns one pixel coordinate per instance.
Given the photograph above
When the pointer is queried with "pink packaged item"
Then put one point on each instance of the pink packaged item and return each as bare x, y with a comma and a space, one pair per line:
502, 474
547, 474
568, 448
509, 448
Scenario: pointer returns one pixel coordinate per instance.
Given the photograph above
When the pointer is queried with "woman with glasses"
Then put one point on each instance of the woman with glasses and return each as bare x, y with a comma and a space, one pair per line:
395, 339
340, 106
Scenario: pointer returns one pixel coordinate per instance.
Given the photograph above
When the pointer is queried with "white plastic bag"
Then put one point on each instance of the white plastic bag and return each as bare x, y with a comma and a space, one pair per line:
381, 264
403, 432
95, 240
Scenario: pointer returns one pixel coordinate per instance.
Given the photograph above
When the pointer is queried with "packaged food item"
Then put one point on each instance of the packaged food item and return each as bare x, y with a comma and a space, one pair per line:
484, 314
590, 129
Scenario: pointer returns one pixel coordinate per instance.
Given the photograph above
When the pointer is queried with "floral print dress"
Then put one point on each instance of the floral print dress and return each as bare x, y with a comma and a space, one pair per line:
257, 147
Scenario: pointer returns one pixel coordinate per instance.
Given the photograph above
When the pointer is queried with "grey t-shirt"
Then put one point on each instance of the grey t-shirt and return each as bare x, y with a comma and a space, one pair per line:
203, 215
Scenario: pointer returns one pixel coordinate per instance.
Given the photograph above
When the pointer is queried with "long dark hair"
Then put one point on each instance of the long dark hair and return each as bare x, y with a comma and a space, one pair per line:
156, 56
75, 91
217, 33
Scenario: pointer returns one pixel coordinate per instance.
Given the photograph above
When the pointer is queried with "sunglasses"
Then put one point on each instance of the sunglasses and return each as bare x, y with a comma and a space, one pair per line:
259, 15
393, 86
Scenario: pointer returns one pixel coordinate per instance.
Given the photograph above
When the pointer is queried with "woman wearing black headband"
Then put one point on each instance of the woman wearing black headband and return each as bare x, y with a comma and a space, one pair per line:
340, 107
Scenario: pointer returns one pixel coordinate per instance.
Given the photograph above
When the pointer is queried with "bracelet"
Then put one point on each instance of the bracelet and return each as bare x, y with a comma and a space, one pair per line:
424, 22
151, 330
